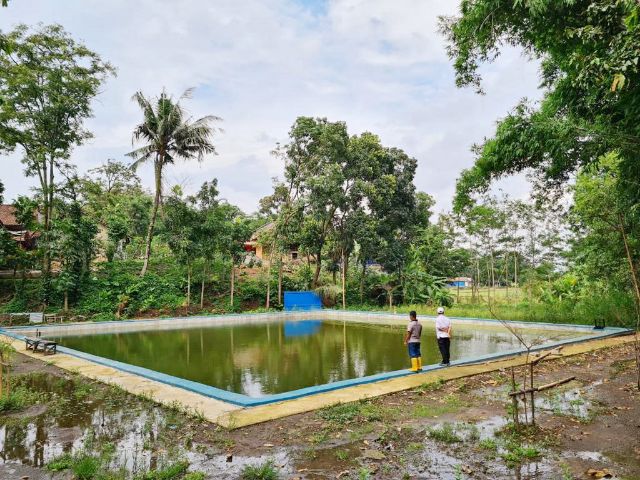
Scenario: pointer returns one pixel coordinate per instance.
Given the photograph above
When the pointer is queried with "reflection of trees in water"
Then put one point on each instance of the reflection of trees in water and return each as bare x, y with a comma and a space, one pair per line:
259, 358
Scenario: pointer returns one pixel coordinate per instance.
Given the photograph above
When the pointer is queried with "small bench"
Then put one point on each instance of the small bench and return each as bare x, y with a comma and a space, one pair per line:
47, 347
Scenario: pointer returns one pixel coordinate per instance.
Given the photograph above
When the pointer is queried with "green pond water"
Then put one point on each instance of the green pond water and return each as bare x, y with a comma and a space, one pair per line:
263, 358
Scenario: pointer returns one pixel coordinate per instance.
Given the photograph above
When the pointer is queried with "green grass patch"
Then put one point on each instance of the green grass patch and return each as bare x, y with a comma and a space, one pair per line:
517, 453
169, 472
342, 455
58, 464
20, 397
414, 447
85, 467
445, 434
431, 386
264, 471
488, 444
363, 411
194, 476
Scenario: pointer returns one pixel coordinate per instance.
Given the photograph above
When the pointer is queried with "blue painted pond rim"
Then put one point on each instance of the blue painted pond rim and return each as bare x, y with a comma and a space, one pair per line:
247, 401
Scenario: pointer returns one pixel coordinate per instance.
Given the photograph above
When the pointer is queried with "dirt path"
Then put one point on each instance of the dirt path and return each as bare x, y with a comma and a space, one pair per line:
453, 430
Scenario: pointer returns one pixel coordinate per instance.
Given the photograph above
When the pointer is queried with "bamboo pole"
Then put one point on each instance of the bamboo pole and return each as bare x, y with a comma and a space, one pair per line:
542, 388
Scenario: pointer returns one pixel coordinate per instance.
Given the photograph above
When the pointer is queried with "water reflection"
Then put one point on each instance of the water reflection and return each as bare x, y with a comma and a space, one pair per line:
272, 357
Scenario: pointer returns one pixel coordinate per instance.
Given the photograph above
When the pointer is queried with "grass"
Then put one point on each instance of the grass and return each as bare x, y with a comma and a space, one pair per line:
363, 411
342, 455
58, 464
264, 471
517, 453
449, 404
364, 473
20, 398
89, 467
488, 444
432, 386
445, 434
617, 307
170, 472
414, 447
85, 467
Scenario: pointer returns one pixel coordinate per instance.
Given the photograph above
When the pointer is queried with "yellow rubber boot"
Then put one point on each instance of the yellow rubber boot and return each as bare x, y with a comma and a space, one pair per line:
419, 364
414, 365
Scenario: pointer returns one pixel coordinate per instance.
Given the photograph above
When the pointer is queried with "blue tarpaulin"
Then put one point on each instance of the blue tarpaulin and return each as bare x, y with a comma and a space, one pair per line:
302, 301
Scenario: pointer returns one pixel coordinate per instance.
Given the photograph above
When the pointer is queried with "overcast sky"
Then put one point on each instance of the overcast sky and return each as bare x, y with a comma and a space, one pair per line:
378, 65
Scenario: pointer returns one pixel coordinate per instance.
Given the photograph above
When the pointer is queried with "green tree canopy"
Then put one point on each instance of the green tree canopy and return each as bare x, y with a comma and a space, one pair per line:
589, 68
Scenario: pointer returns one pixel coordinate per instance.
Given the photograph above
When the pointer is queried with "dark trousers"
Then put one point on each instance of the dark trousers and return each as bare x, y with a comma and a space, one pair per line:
443, 345
414, 350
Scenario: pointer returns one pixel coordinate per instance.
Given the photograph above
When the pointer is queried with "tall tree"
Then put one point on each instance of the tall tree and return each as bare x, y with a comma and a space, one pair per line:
588, 52
47, 83
168, 134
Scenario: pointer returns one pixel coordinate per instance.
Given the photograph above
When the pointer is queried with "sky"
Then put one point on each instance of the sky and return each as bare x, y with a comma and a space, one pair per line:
379, 65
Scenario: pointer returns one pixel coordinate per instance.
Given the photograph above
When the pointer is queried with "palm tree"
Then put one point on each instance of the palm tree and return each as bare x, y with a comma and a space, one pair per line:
168, 133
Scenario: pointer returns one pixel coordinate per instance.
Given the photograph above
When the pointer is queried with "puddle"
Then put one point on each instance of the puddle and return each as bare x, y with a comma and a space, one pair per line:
313, 463
571, 403
138, 436
592, 456
487, 428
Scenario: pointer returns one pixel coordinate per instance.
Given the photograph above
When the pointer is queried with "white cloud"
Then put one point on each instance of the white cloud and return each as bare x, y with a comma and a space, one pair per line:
379, 65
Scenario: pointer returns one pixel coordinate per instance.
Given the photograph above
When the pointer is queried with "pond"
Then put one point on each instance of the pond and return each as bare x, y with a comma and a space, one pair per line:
269, 357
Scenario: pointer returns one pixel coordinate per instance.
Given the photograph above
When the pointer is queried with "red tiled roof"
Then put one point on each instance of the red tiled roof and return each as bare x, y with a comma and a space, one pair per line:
8, 216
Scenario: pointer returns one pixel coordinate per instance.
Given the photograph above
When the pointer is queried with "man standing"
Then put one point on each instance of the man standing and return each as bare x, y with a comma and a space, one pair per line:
443, 334
412, 341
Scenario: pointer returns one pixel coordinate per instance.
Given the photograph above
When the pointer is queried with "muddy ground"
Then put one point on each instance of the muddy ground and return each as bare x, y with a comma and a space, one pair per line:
588, 428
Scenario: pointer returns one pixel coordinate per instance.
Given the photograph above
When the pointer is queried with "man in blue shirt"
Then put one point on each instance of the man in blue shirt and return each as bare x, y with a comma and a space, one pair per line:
412, 341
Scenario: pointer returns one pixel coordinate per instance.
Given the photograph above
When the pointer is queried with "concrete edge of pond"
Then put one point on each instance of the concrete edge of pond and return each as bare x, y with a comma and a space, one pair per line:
233, 416
246, 401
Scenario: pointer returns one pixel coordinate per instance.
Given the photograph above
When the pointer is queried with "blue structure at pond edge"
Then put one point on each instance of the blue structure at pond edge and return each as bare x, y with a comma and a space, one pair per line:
302, 301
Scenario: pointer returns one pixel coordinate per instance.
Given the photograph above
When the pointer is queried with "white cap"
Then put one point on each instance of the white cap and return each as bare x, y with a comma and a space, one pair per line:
440, 310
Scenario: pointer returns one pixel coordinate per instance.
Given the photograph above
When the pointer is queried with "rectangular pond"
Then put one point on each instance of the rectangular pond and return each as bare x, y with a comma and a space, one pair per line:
262, 358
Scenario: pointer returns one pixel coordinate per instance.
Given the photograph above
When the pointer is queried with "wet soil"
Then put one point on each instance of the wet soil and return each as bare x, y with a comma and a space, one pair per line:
453, 430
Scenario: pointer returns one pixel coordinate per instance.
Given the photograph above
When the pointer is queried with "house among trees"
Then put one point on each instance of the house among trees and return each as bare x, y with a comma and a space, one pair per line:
26, 238
461, 282
257, 245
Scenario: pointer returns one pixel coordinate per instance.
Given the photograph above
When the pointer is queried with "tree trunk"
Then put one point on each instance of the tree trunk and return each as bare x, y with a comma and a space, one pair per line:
316, 274
636, 287
506, 273
362, 280
66, 301
344, 281
188, 286
280, 279
233, 281
268, 302
204, 276
154, 214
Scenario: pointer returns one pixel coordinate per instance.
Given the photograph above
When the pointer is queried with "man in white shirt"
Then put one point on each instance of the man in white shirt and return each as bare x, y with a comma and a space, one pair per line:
443, 334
